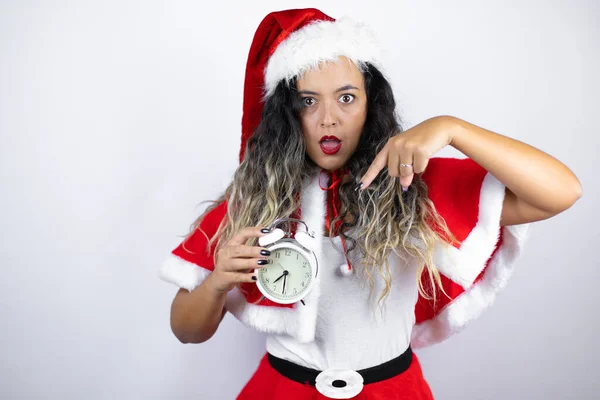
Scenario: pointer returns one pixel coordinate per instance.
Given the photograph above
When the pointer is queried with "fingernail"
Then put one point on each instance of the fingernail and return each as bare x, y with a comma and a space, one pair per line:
360, 185
254, 277
262, 262
404, 188
265, 230
265, 252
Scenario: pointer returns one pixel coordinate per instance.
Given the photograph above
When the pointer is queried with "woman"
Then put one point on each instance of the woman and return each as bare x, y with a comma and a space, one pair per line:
410, 247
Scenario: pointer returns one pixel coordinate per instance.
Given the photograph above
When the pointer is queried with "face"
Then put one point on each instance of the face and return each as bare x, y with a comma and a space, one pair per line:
334, 110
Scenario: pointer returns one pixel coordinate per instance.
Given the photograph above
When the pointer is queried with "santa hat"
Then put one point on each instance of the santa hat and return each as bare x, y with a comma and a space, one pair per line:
288, 43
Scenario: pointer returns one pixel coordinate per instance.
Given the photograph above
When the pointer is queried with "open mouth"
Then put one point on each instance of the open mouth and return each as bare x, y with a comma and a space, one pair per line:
330, 144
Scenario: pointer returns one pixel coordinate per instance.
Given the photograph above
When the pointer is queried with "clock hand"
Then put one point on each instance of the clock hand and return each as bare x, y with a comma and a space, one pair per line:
279, 278
284, 279
285, 274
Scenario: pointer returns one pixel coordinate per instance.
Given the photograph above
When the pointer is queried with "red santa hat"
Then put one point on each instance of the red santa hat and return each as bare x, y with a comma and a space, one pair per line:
290, 42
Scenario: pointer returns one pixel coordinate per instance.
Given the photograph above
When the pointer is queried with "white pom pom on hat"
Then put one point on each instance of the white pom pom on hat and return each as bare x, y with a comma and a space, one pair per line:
346, 269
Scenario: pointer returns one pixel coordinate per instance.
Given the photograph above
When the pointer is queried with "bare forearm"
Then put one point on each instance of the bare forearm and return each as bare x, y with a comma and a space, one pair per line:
196, 315
532, 175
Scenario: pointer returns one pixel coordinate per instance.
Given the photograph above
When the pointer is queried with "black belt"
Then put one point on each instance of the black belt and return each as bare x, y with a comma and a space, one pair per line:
374, 374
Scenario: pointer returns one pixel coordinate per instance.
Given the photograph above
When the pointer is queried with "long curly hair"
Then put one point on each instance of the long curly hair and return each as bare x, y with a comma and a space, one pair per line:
382, 218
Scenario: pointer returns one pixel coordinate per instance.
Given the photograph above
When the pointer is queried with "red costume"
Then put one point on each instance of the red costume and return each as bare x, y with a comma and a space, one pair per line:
464, 194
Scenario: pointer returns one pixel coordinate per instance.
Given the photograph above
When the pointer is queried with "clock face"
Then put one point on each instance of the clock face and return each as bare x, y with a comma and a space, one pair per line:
287, 277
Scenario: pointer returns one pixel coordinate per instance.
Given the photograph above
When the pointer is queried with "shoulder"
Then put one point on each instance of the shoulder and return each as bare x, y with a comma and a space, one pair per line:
195, 247
191, 261
211, 219
455, 187
446, 173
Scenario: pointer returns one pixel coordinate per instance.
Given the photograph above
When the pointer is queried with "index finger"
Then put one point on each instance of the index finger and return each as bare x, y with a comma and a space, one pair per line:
242, 236
375, 168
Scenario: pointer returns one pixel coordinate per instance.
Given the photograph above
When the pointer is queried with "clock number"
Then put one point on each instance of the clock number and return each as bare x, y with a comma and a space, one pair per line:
288, 252
268, 280
295, 291
277, 254
302, 284
307, 274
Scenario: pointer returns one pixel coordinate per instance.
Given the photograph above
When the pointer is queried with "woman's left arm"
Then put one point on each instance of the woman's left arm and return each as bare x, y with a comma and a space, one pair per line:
538, 186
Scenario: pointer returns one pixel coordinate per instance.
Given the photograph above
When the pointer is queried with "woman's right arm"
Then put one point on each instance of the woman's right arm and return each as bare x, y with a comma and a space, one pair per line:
196, 315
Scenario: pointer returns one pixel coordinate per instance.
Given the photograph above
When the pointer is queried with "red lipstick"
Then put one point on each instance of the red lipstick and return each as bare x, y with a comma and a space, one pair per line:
330, 144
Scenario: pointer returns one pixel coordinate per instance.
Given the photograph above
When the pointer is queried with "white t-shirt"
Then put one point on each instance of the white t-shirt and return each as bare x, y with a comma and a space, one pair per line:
352, 331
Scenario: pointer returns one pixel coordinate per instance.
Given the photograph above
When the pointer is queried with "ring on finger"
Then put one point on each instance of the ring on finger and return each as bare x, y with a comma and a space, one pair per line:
406, 165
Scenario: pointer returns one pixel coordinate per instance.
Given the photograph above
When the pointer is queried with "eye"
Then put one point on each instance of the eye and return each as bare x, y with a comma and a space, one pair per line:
347, 98
308, 101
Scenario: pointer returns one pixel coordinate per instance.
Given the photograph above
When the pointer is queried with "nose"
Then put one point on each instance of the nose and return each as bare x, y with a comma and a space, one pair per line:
329, 118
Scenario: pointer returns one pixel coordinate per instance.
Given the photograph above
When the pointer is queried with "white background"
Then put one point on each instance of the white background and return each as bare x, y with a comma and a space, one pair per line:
117, 118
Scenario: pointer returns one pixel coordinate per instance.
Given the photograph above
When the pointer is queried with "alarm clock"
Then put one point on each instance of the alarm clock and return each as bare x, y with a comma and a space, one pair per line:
292, 267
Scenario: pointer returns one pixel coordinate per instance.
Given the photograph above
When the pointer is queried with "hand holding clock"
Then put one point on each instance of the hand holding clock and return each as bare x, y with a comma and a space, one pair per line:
292, 261
235, 261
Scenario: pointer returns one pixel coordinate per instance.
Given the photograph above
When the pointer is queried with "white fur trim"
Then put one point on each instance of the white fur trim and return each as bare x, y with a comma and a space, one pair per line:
472, 256
301, 320
464, 265
319, 42
182, 273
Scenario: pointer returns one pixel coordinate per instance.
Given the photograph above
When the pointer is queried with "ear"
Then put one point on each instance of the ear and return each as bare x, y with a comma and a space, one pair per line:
305, 240
271, 237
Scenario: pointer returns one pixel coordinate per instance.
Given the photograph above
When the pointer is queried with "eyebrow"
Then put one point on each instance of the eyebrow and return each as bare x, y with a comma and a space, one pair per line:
343, 88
